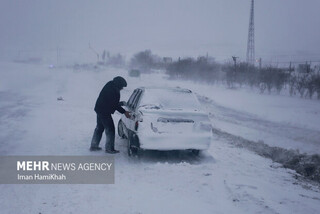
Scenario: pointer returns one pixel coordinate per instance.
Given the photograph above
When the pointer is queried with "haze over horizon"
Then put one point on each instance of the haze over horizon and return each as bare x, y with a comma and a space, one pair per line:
284, 30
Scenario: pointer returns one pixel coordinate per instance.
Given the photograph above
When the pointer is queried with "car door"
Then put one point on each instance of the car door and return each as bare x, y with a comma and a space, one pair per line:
132, 107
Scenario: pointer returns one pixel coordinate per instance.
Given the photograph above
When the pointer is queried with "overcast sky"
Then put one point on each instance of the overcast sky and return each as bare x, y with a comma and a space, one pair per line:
167, 27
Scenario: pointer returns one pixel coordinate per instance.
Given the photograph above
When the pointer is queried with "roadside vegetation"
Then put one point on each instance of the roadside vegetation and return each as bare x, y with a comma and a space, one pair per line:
302, 81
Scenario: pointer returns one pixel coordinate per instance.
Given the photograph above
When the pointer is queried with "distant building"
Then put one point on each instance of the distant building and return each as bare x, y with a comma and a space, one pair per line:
167, 59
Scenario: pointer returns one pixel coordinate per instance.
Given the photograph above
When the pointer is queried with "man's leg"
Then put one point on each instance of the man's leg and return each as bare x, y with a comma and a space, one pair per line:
110, 132
97, 135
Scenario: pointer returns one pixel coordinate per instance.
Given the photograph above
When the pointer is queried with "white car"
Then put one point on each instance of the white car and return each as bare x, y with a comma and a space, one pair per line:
165, 119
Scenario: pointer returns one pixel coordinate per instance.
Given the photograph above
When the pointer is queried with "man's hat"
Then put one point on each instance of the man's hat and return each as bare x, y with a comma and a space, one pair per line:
120, 82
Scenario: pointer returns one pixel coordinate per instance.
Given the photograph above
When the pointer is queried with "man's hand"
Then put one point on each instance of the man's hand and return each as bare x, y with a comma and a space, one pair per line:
127, 114
123, 103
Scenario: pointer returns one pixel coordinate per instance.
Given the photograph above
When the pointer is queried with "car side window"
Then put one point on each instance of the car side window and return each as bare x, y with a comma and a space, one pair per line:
136, 99
129, 103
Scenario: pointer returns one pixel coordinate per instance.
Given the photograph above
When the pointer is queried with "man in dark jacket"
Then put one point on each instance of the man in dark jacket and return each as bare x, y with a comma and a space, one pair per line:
107, 103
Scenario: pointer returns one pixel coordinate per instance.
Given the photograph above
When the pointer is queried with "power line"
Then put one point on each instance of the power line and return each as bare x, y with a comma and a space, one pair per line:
295, 62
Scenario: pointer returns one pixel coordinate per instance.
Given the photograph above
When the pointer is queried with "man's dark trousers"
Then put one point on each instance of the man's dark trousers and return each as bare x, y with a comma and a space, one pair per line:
104, 123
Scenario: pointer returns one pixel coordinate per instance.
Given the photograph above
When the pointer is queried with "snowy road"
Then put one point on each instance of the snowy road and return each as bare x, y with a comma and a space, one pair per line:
225, 179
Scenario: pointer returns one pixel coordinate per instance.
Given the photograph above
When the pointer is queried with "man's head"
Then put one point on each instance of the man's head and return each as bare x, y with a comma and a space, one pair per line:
119, 82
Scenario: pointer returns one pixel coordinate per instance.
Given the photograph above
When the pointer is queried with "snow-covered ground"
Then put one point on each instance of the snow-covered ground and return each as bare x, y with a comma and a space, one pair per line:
225, 179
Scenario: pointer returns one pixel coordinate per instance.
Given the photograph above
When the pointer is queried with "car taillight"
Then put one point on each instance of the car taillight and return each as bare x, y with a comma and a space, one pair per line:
136, 126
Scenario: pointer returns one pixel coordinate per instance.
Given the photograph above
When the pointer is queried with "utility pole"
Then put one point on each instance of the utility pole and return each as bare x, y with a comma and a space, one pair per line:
307, 67
104, 55
250, 44
94, 52
58, 55
234, 58
260, 63
290, 67
234, 73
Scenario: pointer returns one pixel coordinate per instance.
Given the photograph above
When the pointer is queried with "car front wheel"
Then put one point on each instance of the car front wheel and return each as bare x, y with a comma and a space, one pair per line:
132, 148
120, 129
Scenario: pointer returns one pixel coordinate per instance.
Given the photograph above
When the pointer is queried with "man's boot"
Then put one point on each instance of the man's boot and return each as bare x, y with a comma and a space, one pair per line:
113, 151
95, 148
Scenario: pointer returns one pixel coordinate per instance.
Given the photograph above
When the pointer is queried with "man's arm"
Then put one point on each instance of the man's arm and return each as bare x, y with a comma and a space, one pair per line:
123, 111
120, 109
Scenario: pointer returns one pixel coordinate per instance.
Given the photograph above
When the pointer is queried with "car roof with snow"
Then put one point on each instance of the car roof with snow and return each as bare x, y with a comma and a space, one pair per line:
177, 89
169, 98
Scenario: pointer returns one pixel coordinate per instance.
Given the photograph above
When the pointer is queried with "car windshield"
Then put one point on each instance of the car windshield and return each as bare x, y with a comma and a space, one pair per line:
173, 99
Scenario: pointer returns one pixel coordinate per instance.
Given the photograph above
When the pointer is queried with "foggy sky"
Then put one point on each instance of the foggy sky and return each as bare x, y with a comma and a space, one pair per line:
167, 27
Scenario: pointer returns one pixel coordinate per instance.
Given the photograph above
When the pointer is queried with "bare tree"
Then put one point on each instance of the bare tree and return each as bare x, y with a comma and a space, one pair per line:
145, 61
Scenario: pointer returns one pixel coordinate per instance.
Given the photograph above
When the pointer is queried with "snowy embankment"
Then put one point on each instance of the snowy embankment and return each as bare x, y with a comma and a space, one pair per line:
225, 179
307, 164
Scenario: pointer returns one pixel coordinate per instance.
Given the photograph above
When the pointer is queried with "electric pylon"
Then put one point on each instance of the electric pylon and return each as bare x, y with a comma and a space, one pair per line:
250, 45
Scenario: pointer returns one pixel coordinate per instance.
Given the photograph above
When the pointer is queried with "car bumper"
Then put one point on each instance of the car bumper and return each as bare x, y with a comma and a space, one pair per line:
175, 142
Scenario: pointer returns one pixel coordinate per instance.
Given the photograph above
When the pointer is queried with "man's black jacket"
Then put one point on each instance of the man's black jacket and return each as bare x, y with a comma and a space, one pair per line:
108, 100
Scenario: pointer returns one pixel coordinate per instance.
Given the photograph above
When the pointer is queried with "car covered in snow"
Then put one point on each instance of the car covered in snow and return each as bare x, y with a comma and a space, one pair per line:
165, 119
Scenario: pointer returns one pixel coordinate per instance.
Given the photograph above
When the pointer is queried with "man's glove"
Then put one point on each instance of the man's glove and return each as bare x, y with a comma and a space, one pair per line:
123, 103
127, 114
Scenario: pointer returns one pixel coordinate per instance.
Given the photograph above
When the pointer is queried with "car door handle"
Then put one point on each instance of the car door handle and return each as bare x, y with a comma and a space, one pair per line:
133, 117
